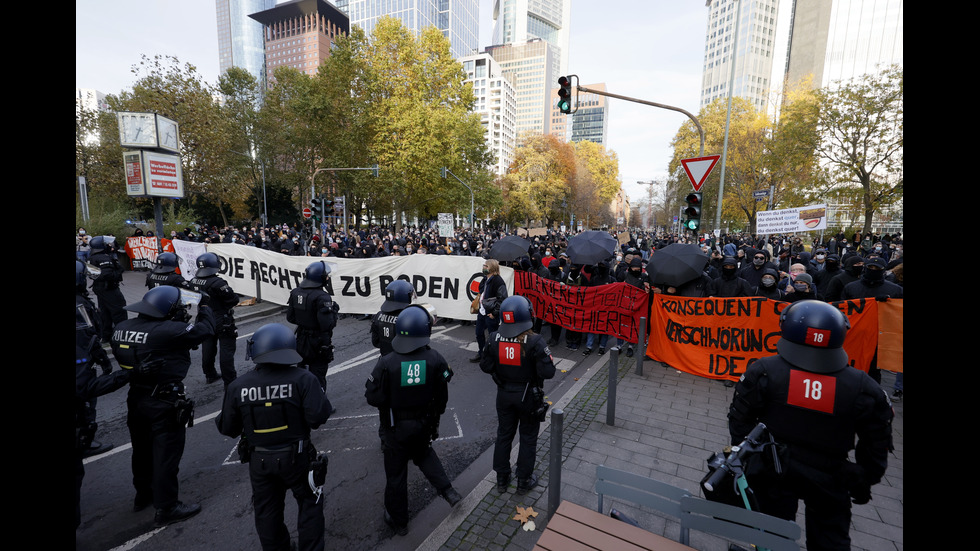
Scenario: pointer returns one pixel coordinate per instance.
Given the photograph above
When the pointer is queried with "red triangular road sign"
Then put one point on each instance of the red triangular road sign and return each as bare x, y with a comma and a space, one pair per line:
698, 169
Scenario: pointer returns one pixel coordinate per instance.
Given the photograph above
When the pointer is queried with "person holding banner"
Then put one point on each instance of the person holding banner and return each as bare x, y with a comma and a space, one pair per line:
817, 406
492, 293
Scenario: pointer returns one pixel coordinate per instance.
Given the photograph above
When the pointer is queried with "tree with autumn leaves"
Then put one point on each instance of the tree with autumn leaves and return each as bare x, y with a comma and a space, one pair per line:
842, 141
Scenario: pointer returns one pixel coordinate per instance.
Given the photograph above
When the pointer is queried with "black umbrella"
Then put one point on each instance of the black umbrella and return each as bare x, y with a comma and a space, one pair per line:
591, 247
676, 264
509, 247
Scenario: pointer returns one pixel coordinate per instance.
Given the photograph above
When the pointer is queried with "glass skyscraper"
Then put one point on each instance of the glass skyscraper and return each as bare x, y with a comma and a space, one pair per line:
517, 21
457, 19
240, 42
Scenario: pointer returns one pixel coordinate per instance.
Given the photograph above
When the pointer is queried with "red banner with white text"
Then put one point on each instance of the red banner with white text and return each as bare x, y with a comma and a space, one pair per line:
613, 309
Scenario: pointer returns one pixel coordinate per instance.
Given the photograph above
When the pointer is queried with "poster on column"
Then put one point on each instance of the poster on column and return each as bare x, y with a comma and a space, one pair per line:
719, 338
448, 283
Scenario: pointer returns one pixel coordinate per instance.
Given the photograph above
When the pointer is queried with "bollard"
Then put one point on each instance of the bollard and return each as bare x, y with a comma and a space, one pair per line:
641, 346
611, 392
554, 469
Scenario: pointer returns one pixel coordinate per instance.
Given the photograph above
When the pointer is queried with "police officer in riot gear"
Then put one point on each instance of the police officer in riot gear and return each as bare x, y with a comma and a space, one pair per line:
411, 384
314, 313
222, 300
273, 408
112, 303
398, 295
519, 361
155, 346
93, 352
88, 384
165, 273
815, 404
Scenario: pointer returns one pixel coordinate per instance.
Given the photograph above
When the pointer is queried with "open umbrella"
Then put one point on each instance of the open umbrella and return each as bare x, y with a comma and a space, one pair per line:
676, 264
591, 247
509, 247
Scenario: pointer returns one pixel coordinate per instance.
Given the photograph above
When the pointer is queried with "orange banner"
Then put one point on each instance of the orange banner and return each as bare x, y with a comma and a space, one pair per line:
718, 338
891, 335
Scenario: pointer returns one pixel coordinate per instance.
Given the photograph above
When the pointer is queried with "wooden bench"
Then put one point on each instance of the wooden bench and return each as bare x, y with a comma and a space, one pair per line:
575, 528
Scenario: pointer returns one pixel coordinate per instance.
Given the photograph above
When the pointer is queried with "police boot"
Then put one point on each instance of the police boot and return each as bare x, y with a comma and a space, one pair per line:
525, 484
400, 530
503, 481
451, 496
176, 513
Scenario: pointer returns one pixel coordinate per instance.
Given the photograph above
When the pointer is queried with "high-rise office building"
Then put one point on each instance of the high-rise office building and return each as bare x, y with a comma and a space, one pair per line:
589, 121
457, 19
518, 21
240, 41
753, 25
300, 34
533, 68
838, 40
496, 104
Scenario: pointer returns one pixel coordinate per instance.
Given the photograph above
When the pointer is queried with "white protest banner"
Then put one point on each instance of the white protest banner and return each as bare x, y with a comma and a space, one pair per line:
187, 252
448, 283
813, 217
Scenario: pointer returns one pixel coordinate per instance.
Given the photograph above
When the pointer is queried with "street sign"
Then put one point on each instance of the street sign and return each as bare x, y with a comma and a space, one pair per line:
698, 169
307, 212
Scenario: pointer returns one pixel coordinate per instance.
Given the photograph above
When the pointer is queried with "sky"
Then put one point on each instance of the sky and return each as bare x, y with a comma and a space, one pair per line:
645, 49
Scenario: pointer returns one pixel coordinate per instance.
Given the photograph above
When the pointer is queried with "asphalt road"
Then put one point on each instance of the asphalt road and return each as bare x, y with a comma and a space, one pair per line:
210, 473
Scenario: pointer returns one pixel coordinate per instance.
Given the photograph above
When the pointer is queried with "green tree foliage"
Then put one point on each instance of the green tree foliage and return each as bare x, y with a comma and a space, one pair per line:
538, 183
860, 124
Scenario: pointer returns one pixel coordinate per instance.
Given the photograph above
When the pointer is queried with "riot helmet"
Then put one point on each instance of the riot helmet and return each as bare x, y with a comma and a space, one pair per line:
166, 263
316, 275
207, 265
412, 329
273, 343
516, 316
159, 302
97, 244
813, 334
398, 294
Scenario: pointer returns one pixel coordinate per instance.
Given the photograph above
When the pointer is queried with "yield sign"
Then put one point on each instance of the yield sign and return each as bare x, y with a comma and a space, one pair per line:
698, 169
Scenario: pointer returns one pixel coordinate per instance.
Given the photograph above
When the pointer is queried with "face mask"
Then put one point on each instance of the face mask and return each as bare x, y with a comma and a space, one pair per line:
554, 271
821, 256
636, 272
874, 275
758, 261
547, 253
486, 271
768, 281
801, 287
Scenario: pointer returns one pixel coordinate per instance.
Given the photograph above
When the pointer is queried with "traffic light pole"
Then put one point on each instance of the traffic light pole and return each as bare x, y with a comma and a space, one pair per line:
319, 170
653, 104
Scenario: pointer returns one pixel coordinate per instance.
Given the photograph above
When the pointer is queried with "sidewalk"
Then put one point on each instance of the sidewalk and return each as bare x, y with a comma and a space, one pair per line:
666, 425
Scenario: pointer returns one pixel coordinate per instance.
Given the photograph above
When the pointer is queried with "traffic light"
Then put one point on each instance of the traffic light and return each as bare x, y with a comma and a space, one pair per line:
564, 95
315, 205
693, 211
328, 207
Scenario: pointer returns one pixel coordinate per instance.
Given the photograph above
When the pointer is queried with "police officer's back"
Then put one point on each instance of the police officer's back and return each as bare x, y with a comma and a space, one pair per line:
222, 298
88, 384
314, 312
519, 361
273, 408
411, 383
165, 273
156, 346
813, 402
112, 303
398, 295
